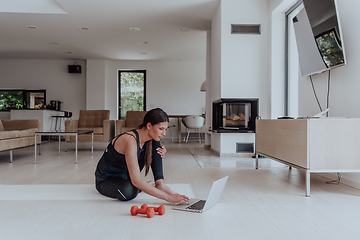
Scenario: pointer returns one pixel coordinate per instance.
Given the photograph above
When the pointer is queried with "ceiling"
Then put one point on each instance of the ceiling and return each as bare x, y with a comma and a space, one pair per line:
50, 29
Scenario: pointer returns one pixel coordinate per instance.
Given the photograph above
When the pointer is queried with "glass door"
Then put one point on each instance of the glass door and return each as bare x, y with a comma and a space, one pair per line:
132, 86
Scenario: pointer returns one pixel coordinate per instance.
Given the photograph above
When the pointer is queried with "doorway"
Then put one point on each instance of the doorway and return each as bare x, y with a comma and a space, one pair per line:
132, 91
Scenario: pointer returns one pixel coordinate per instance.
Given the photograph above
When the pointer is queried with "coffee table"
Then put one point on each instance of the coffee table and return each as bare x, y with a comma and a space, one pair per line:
74, 133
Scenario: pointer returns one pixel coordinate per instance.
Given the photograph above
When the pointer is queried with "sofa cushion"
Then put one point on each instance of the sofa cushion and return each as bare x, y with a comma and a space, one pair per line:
29, 132
1, 126
9, 134
12, 143
20, 124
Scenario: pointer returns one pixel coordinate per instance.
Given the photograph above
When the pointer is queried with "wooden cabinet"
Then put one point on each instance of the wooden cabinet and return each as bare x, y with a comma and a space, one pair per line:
314, 145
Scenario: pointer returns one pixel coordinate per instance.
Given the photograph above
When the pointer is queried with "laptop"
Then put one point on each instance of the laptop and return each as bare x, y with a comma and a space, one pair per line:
200, 206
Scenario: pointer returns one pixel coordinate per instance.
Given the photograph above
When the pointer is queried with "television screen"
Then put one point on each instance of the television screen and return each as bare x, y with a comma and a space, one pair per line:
318, 37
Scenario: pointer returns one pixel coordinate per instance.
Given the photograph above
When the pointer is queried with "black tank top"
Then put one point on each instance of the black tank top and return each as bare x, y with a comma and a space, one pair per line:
113, 164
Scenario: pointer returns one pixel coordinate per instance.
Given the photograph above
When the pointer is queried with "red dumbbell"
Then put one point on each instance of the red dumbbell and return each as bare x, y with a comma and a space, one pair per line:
160, 209
148, 211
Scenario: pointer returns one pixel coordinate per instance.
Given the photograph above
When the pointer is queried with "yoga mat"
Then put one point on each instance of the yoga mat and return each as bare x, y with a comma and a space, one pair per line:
70, 192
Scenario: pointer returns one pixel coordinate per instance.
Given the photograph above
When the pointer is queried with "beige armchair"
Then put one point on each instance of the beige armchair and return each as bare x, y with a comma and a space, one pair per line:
133, 120
95, 120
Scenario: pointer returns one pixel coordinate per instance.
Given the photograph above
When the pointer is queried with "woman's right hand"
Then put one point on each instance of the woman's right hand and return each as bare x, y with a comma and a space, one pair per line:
177, 198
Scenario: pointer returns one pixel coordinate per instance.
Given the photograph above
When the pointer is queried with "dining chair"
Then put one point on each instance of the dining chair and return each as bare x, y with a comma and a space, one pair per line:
193, 122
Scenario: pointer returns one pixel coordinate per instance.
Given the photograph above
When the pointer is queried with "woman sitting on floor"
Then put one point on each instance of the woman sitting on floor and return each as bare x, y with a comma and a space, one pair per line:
118, 171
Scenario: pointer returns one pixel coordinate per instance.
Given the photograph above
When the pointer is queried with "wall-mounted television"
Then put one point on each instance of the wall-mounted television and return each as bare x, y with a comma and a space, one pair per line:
318, 37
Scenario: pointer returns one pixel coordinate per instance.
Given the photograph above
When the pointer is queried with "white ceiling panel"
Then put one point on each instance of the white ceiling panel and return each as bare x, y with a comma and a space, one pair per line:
58, 36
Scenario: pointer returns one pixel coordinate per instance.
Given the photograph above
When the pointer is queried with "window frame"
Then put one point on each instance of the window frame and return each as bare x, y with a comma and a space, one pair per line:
25, 103
119, 88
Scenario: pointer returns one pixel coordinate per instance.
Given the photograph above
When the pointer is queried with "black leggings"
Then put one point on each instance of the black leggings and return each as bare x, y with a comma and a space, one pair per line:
118, 188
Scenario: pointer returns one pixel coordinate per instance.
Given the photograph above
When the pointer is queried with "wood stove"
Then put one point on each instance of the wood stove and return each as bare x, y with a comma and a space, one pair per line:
235, 114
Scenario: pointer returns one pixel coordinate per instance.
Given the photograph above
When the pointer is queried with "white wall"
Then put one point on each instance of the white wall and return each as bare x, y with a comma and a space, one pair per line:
239, 60
244, 64
173, 86
95, 84
208, 101
215, 77
51, 75
216, 55
4, 115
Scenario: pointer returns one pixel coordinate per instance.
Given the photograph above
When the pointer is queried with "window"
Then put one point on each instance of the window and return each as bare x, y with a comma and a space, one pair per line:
131, 91
22, 99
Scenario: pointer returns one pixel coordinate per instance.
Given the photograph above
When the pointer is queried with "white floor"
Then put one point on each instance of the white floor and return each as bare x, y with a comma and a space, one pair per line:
55, 199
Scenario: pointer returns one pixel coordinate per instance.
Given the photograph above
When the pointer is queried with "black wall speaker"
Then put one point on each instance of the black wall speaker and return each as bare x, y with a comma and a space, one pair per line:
74, 69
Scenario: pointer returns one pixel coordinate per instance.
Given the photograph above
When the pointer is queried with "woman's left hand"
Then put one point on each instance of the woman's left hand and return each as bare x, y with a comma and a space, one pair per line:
161, 151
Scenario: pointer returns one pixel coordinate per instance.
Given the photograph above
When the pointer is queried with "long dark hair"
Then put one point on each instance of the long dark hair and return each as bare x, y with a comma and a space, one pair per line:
154, 116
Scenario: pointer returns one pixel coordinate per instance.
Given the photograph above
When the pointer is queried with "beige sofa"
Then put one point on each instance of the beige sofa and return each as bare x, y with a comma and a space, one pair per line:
94, 120
133, 120
18, 133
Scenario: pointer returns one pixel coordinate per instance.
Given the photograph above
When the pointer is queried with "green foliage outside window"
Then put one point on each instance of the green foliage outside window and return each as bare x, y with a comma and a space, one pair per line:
11, 100
330, 49
132, 92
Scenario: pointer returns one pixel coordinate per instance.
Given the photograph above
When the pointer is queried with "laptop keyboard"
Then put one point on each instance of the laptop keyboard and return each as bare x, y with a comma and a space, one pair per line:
197, 206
